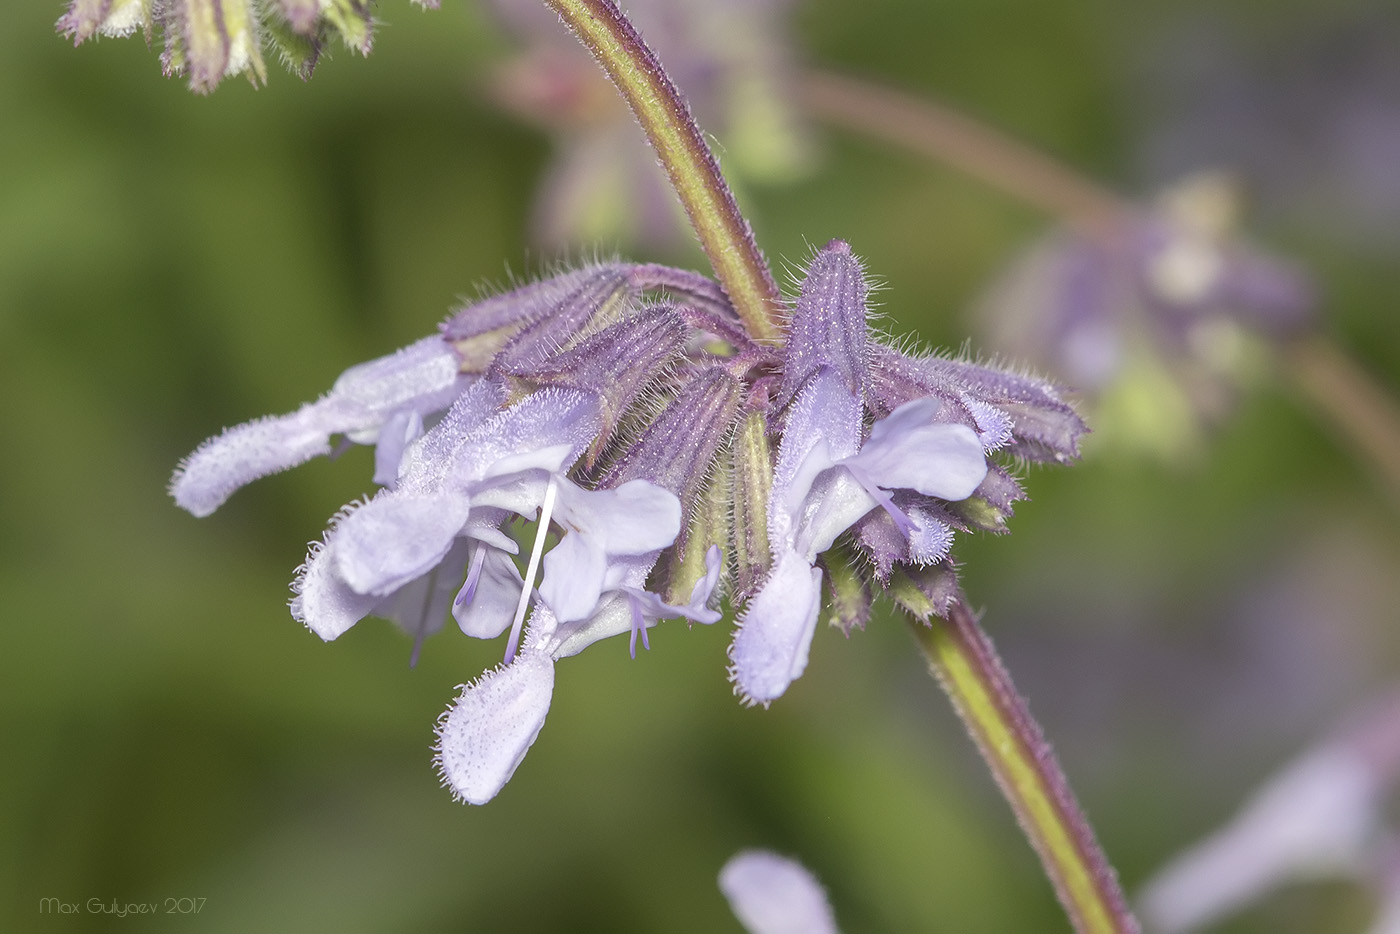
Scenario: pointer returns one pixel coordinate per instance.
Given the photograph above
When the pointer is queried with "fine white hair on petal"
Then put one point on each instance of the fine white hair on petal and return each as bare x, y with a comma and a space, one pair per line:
323, 602
484, 735
397, 537
417, 380
770, 647
771, 894
245, 453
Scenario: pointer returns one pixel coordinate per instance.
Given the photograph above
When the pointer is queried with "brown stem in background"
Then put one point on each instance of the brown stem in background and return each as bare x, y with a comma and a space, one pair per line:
1348, 400
941, 133
1365, 416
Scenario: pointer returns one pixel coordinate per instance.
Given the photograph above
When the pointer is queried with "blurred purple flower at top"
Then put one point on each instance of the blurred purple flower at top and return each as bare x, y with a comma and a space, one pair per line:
1306, 110
771, 894
1158, 326
730, 60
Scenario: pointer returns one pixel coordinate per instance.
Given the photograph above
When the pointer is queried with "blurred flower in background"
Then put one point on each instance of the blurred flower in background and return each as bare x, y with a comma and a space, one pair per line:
732, 61
1160, 322
1321, 816
771, 894
1309, 117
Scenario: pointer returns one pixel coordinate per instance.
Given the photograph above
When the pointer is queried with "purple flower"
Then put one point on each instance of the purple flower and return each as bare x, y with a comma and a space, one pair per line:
382, 402
1160, 324
830, 473
209, 40
484, 736
667, 458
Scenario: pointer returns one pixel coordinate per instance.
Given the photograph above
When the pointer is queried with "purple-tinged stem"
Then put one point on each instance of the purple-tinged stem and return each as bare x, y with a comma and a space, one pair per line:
659, 108
962, 658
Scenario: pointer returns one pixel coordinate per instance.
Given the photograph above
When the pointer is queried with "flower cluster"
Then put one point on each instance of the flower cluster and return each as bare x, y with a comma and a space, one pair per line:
1160, 322
210, 40
623, 408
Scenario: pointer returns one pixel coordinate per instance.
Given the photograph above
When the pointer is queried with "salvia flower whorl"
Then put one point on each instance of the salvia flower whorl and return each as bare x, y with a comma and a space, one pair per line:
670, 460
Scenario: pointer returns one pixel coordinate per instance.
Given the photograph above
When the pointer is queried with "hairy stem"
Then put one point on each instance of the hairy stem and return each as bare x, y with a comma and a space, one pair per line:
962, 658
724, 233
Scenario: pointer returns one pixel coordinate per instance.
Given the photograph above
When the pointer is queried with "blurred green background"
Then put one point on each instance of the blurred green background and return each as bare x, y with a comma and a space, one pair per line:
171, 264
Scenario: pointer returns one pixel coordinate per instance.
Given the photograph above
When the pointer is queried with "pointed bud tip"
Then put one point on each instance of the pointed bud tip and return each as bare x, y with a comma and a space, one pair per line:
837, 246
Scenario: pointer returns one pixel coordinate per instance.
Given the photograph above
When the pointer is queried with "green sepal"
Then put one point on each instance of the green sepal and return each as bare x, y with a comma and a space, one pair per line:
849, 604
979, 514
709, 525
299, 52
924, 592
352, 20
752, 467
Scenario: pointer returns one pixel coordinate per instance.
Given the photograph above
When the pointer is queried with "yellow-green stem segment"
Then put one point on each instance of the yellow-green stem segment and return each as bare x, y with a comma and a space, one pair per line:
961, 657
694, 173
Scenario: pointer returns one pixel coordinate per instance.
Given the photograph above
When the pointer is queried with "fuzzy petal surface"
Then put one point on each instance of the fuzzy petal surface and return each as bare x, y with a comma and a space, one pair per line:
487, 611
484, 735
910, 451
395, 538
771, 644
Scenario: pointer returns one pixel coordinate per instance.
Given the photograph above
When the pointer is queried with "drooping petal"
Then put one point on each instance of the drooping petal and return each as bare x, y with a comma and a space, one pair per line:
420, 607
323, 601
395, 538
484, 735
485, 612
420, 378
221, 465
770, 894
771, 644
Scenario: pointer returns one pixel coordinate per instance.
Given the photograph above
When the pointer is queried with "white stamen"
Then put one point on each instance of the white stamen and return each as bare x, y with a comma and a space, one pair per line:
546, 508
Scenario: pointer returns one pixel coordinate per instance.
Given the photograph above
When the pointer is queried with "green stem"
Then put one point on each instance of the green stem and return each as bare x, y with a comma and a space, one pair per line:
724, 233
962, 658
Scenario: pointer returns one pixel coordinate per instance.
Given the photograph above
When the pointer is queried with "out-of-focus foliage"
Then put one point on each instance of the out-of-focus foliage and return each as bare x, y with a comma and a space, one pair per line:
170, 264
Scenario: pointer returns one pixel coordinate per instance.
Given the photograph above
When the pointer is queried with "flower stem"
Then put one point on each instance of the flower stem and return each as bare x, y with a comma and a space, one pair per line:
658, 106
961, 657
